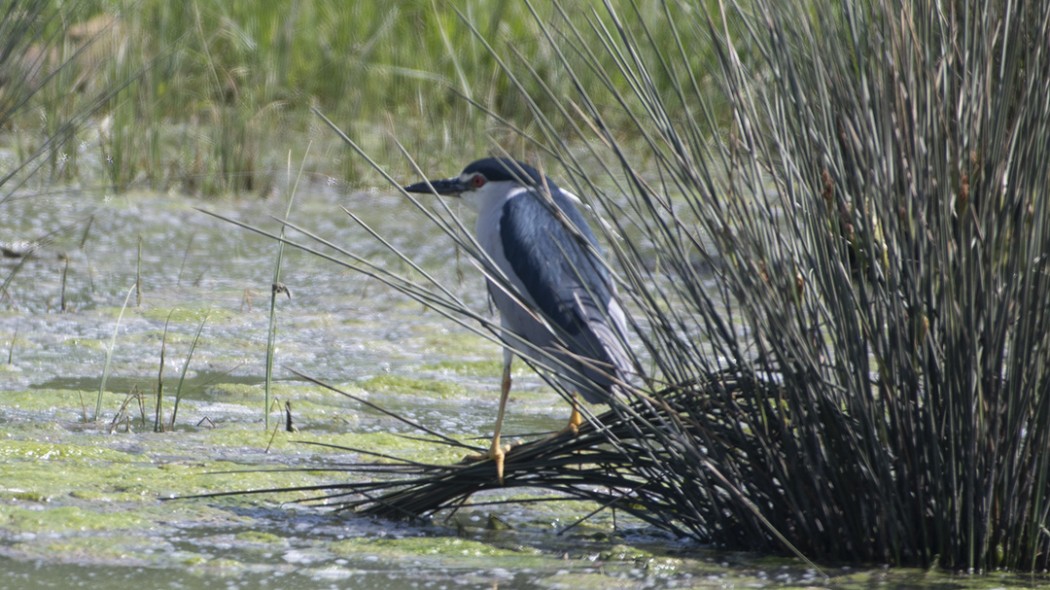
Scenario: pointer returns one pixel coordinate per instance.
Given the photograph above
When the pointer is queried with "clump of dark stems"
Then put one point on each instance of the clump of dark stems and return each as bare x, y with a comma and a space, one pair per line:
872, 216
600, 463
845, 218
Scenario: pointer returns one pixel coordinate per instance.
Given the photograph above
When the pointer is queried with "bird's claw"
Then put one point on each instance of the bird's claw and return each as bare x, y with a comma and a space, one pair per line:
575, 421
496, 454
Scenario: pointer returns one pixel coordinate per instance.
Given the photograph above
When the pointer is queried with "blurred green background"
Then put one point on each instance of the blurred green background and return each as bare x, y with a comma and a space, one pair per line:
210, 97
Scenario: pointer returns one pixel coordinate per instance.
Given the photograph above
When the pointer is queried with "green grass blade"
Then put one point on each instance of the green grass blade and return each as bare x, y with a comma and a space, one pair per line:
109, 353
277, 288
185, 367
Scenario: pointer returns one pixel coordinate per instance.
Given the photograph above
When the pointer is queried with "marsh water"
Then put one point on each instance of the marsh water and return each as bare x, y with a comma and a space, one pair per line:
89, 500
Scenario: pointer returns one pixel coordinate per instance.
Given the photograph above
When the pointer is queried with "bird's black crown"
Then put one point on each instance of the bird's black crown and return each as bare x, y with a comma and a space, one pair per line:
497, 169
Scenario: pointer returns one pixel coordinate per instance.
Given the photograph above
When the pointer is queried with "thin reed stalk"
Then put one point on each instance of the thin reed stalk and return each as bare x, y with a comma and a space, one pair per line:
185, 368
109, 354
277, 287
158, 419
138, 273
62, 290
11, 345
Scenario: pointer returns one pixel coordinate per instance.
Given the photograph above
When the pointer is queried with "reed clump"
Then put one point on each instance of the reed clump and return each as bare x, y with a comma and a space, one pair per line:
861, 247
875, 226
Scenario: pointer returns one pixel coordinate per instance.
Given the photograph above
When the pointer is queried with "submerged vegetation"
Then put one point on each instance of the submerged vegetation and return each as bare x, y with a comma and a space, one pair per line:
839, 209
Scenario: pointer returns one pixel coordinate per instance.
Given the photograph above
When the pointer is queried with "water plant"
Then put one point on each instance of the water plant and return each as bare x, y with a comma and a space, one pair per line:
109, 359
218, 82
841, 288
42, 109
179, 387
277, 288
831, 231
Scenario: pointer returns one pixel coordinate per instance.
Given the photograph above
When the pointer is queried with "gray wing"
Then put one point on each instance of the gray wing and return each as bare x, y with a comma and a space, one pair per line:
569, 284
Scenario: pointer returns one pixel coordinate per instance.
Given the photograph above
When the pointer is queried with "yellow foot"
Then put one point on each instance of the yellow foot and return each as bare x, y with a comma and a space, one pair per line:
575, 421
496, 454
571, 430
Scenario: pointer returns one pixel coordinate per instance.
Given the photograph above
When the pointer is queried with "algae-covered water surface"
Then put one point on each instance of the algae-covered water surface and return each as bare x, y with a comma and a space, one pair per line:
90, 500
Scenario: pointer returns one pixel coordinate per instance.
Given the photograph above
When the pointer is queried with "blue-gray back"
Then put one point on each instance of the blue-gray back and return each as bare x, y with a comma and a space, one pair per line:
557, 266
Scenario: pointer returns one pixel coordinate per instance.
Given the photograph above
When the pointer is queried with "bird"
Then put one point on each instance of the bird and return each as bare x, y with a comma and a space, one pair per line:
546, 275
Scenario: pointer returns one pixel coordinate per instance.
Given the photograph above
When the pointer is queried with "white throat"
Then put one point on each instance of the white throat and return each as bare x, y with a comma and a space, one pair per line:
492, 195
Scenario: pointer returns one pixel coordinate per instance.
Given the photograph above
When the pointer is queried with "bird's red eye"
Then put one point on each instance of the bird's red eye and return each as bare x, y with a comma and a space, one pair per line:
477, 181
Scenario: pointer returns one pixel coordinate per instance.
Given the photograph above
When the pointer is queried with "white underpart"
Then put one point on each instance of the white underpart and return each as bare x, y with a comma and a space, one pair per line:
489, 202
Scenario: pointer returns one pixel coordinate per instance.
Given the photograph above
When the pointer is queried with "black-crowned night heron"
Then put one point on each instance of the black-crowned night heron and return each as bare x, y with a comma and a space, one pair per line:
557, 302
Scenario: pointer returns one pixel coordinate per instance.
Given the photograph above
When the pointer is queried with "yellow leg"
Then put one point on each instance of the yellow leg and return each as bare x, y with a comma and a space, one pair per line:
496, 452
575, 419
